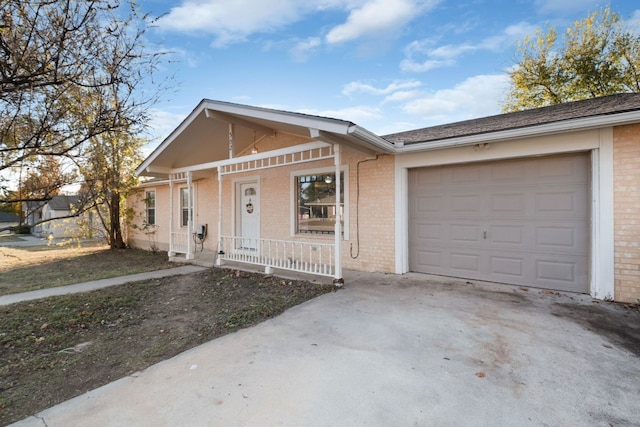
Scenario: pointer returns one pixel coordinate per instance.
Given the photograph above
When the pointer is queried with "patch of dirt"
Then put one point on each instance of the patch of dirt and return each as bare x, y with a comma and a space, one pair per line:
618, 323
60, 347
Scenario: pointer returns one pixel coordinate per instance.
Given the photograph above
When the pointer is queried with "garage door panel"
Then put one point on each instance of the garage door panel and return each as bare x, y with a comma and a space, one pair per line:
464, 233
508, 267
511, 203
465, 204
469, 262
524, 221
428, 204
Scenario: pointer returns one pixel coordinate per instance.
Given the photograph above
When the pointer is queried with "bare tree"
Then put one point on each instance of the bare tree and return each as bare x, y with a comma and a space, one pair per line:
73, 75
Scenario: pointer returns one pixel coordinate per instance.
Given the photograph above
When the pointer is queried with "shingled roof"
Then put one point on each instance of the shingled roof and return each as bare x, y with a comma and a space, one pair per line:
606, 105
63, 202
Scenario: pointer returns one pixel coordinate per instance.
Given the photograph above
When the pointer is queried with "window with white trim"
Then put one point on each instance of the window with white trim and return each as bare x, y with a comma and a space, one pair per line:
184, 206
150, 202
315, 203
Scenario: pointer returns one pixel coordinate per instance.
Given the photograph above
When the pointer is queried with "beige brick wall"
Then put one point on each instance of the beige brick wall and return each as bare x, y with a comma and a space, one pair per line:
626, 154
206, 212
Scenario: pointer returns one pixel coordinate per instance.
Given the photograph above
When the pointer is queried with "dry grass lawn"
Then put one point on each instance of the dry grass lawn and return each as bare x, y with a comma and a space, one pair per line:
56, 348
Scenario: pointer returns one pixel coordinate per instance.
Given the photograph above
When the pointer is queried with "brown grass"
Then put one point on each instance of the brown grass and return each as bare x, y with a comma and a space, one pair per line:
56, 348
30, 268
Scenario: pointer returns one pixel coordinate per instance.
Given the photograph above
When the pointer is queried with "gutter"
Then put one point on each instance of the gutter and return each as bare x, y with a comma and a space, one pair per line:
372, 139
584, 123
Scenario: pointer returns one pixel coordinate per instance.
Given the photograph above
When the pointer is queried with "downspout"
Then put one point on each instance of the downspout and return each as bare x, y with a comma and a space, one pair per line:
338, 280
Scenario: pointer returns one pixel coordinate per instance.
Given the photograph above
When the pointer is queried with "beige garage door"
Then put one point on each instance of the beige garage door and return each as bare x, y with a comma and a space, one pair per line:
522, 222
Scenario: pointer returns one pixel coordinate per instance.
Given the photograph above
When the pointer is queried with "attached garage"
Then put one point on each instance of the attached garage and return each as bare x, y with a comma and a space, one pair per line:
523, 221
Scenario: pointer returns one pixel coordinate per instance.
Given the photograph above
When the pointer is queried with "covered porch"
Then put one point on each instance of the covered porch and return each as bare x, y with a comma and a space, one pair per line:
233, 147
295, 255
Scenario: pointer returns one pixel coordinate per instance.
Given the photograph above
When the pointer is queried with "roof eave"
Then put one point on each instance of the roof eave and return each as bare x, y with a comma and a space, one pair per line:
584, 123
372, 139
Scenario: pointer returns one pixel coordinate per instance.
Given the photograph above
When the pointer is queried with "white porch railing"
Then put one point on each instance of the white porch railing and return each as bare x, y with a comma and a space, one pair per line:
179, 243
303, 257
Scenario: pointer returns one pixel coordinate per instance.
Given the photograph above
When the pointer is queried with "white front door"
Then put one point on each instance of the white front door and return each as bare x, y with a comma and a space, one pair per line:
248, 227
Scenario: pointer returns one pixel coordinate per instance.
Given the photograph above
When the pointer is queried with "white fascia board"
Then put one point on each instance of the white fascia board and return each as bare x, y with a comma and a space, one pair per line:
251, 157
549, 128
292, 118
152, 183
372, 139
169, 139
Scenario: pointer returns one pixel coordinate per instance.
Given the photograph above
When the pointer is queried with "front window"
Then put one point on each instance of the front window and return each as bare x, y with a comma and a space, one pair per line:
316, 203
184, 206
150, 201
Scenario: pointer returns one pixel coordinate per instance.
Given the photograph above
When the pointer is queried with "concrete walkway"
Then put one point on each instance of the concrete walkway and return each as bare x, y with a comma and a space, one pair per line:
97, 284
393, 351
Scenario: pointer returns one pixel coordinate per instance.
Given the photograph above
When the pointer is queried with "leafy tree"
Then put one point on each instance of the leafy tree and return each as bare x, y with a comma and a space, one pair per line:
108, 168
597, 56
73, 75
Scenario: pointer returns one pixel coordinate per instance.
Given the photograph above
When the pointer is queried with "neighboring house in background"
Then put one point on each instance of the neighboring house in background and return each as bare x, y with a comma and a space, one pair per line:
8, 220
32, 212
546, 198
55, 218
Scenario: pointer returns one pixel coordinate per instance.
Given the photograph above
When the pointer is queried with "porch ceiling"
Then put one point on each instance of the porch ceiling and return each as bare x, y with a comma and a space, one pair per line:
203, 137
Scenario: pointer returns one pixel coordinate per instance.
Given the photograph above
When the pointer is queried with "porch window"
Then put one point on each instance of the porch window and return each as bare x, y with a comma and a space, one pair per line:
184, 206
150, 202
316, 203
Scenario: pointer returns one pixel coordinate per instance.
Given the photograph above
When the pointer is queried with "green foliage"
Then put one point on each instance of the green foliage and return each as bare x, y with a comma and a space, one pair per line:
598, 56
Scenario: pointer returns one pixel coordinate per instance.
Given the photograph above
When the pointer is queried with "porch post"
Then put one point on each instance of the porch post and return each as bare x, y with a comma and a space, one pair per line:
220, 248
171, 251
337, 278
231, 132
189, 216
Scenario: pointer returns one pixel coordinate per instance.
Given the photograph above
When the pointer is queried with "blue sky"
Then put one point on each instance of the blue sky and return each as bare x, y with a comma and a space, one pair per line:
387, 65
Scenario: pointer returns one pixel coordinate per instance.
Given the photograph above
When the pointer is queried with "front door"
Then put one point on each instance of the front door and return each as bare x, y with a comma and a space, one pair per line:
248, 228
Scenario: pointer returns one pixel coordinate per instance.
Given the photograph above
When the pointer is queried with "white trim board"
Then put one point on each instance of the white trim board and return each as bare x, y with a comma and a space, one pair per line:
598, 141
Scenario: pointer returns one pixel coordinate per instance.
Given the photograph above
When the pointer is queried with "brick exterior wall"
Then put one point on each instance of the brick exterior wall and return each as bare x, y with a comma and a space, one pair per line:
626, 154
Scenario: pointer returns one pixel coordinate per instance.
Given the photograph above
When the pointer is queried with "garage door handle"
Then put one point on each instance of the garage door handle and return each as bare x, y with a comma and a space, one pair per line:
484, 234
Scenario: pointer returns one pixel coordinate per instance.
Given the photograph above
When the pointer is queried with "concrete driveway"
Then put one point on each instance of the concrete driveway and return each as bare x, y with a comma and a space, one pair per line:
394, 350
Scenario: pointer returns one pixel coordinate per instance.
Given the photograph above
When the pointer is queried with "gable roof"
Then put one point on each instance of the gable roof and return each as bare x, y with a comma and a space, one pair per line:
63, 202
576, 114
203, 136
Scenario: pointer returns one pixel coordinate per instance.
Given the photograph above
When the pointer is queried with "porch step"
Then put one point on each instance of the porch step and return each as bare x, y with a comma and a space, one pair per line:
201, 261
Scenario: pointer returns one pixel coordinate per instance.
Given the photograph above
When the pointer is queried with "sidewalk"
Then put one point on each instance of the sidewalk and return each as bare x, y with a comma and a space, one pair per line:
97, 284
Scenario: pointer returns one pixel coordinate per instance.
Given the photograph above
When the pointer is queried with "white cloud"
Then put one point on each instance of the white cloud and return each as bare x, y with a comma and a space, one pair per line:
633, 23
477, 96
377, 16
163, 122
355, 114
233, 20
445, 56
421, 67
397, 85
304, 48
403, 95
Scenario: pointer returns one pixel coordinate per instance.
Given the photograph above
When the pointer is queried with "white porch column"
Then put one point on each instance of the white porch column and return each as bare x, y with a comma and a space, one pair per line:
220, 248
189, 216
171, 251
231, 132
337, 278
